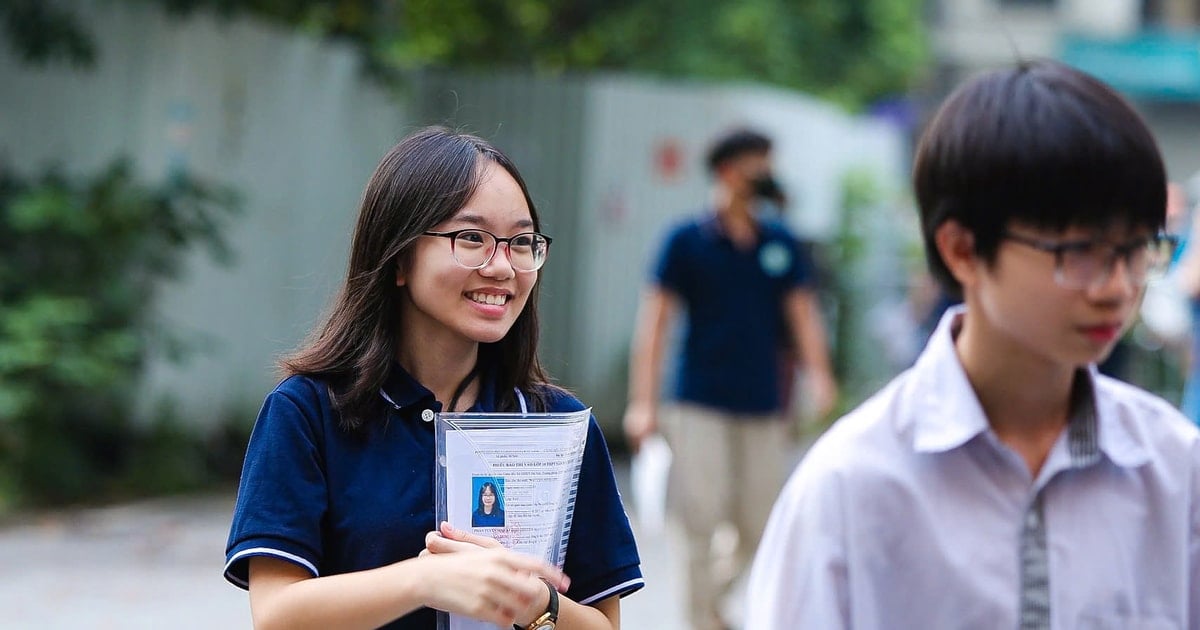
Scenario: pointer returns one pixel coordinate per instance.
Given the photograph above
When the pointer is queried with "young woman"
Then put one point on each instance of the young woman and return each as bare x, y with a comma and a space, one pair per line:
334, 523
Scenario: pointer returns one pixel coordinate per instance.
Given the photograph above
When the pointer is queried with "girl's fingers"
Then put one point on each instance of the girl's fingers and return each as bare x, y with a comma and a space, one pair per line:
529, 564
449, 531
437, 543
449, 539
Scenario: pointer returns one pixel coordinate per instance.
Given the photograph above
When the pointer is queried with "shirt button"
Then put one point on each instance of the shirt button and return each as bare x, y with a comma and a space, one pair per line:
427, 415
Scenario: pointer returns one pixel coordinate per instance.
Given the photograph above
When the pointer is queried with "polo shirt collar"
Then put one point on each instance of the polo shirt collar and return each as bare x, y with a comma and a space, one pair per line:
946, 414
710, 224
402, 392
486, 399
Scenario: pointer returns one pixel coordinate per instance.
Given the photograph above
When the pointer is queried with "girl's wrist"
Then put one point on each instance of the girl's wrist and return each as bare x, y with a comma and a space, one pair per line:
538, 607
410, 585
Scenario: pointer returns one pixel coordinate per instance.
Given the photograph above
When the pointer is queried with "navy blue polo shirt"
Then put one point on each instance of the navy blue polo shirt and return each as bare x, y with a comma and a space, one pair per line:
333, 502
735, 325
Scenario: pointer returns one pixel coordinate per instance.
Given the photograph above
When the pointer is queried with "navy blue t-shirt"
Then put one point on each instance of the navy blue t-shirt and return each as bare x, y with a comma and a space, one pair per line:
736, 327
333, 502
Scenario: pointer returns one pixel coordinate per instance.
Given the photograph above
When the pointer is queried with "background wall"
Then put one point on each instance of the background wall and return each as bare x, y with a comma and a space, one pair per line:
296, 128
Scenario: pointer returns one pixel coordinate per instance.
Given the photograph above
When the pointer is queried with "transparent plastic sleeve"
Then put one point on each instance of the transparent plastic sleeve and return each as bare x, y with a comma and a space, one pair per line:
512, 477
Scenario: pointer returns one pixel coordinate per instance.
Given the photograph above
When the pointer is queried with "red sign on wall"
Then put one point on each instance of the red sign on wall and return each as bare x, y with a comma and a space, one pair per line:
668, 160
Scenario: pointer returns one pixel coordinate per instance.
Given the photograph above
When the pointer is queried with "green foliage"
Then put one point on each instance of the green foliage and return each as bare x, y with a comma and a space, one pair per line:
42, 32
851, 350
851, 51
81, 262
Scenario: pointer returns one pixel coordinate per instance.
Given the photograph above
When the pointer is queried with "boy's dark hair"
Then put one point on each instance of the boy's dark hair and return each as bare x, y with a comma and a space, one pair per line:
1041, 144
734, 144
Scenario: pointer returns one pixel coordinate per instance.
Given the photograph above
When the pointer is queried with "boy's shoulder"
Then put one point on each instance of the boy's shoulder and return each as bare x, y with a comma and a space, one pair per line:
876, 439
874, 436
1144, 419
688, 227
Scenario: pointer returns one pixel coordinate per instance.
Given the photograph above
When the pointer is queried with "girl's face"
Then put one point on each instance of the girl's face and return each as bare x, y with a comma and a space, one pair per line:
487, 498
448, 304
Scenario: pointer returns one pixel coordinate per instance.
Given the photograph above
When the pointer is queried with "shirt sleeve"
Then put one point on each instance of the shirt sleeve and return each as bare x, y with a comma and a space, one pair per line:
799, 575
1194, 551
803, 274
602, 557
671, 268
282, 494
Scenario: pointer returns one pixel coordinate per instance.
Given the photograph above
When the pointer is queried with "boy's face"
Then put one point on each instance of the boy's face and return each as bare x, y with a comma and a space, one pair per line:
1064, 306
740, 173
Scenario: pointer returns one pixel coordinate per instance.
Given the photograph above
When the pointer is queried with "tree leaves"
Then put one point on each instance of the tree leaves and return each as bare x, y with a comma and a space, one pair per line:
850, 51
82, 259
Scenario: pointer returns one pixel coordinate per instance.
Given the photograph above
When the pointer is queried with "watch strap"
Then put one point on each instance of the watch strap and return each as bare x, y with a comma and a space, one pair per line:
551, 614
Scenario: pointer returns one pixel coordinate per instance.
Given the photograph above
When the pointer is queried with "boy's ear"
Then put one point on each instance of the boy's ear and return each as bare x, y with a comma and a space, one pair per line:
956, 245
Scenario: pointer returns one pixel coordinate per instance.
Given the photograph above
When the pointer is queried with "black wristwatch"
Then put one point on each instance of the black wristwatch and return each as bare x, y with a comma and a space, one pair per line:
549, 618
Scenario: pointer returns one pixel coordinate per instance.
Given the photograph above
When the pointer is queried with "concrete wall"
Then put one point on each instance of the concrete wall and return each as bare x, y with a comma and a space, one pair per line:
290, 122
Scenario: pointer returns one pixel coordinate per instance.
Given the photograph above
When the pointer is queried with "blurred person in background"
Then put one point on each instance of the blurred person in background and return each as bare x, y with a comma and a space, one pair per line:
1188, 279
334, 522
743, 285
1003, 482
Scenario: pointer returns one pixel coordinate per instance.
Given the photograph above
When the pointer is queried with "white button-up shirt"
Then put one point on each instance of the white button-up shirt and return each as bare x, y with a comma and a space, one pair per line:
910, 513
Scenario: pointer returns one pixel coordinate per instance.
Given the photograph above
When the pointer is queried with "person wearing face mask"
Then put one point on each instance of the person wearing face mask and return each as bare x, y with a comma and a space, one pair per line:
745, 288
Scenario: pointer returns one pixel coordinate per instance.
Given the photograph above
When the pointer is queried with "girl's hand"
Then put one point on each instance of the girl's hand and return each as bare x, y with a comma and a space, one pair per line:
448, 540
476, 576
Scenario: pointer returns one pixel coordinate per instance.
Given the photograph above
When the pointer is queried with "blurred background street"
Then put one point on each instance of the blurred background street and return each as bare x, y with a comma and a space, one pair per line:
157, 564
178, 180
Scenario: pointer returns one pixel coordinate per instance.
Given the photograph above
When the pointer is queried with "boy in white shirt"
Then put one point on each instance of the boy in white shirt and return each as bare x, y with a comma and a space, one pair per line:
1002, 482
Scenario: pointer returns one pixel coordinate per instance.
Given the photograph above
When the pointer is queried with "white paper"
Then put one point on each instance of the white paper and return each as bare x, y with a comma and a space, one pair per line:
511, 477
531, 469
648, 474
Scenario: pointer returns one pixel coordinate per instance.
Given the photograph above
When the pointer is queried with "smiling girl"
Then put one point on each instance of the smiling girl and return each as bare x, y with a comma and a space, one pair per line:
334, 523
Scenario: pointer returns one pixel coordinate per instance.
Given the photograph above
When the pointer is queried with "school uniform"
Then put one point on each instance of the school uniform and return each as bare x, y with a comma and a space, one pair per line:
725, 424
911, 513
333, 502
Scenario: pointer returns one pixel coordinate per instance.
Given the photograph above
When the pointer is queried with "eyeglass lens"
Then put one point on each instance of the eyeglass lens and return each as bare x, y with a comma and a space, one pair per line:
475, 248
1093, 264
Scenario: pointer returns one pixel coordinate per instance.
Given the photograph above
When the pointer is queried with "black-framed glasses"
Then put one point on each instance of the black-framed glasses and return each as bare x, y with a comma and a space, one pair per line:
474, 248
1085, 264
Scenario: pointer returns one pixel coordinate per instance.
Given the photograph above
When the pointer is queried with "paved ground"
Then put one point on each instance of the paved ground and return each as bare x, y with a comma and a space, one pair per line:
157, 564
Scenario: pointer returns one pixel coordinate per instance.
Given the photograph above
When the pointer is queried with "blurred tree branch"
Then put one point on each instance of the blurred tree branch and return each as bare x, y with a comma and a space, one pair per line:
851, 51
40, 32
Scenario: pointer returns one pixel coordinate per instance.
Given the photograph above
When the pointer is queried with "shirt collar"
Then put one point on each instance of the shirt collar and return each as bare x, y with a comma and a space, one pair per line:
711, 224
402, 391
945, 411
1121, 439
947, 414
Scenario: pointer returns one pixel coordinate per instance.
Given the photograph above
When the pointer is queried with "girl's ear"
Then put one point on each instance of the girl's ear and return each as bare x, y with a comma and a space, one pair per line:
400, 275
956, 245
